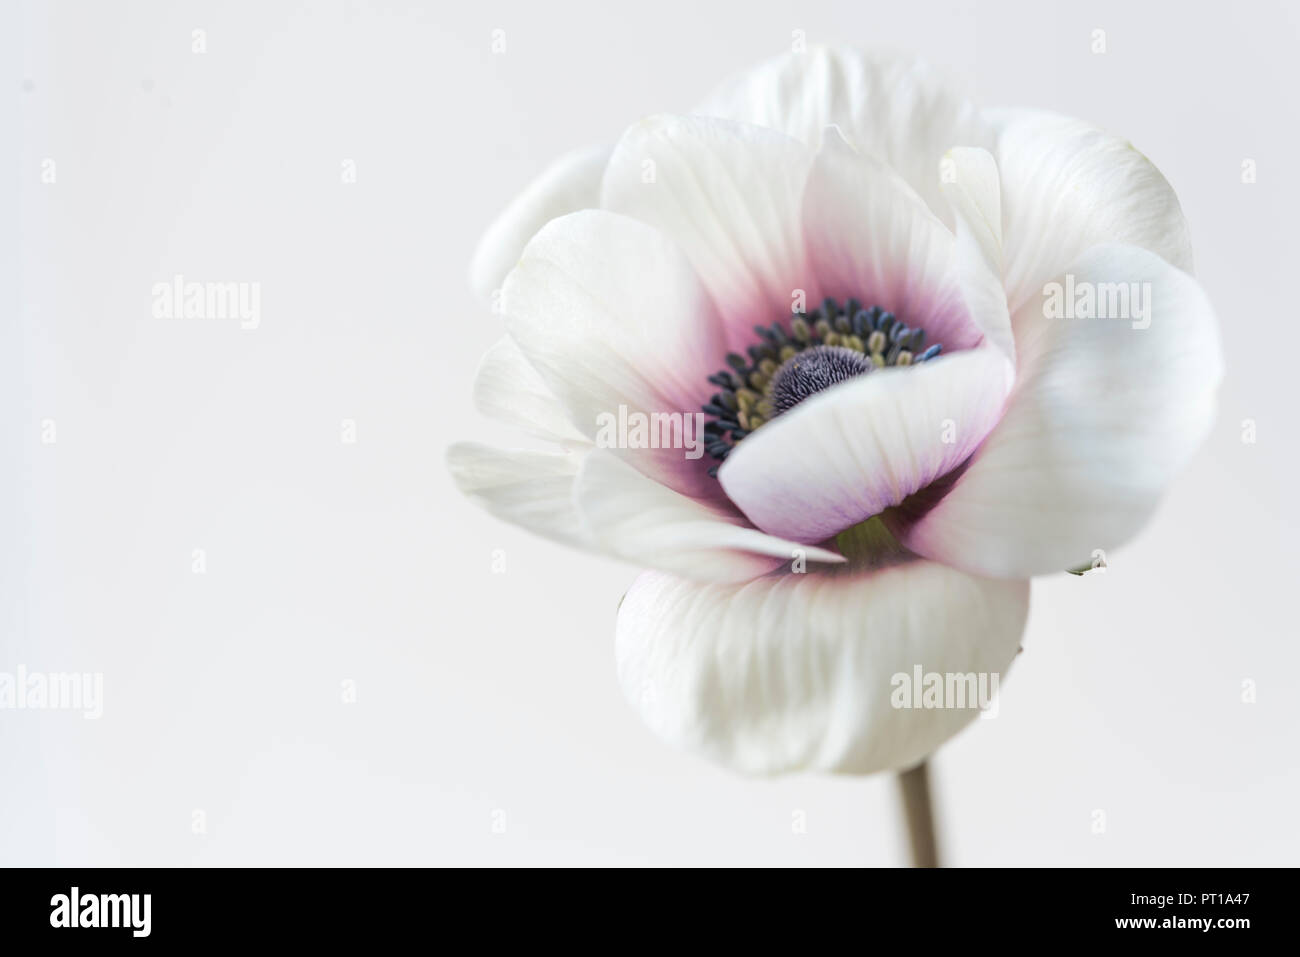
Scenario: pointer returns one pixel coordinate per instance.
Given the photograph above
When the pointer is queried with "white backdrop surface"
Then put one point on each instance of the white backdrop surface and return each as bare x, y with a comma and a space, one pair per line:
488, 727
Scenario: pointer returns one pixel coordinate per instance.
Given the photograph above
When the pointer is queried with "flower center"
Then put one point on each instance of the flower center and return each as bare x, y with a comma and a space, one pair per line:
785, 366
813, 370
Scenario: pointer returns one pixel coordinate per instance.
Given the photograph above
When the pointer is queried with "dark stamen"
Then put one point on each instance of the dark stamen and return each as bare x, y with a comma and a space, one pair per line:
786, 365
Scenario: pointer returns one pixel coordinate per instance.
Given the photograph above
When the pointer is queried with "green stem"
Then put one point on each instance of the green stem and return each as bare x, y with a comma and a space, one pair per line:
914, 788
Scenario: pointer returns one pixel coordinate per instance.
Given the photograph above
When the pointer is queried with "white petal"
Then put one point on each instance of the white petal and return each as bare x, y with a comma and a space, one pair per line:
638, 519
796, 672
532, 489
970, 184
595, 501
969, 180
870, 237
610, 314
901, 110
852, 451
729, 195
1102, 417
1067, 186
507, 388
571, 183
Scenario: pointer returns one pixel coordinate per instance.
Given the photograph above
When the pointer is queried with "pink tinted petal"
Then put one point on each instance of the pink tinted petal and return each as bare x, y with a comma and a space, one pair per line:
729, 195
611, 315
852, 451
870, 237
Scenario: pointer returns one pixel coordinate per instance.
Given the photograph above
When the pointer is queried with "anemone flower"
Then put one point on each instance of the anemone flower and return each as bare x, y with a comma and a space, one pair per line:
843, 361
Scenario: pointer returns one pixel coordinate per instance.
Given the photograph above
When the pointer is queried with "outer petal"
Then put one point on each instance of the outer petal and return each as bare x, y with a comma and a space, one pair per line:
970, 184
870, 237
532, 489
591, 499
729, 194
571, 183
1067, 186
795, 672
638, 519
859, 447
510, 390
1102, 417
610, 313
901, 110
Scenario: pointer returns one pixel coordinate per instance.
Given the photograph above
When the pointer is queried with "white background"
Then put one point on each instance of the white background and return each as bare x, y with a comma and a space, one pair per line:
481, 692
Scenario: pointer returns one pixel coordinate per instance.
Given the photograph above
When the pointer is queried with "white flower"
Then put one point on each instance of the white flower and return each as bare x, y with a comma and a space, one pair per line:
1036, 435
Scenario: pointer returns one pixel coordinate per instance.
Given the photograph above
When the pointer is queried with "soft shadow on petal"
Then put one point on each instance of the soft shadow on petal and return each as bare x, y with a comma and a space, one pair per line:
637, 519
1068, 186
1102, 417
796, 672
571, 183
729, 195
852, 451
902, 110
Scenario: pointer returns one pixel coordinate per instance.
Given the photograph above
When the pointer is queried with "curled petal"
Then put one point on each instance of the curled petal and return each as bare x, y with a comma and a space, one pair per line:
852, 451
1068, 186
1103, 415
